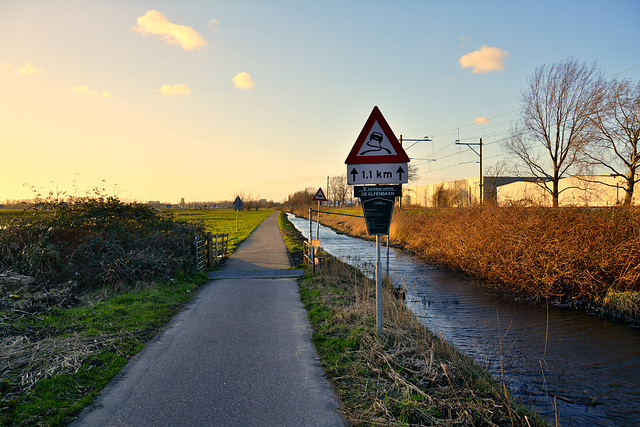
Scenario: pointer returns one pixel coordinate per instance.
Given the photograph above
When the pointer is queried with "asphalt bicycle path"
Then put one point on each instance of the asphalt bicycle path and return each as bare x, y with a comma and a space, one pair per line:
239, 354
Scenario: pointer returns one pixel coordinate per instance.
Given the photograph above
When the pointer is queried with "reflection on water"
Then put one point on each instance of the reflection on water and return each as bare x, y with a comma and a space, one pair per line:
591, 365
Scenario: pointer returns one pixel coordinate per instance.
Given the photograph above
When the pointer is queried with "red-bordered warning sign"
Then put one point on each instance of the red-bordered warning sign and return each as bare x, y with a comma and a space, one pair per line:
376, 143
319, 197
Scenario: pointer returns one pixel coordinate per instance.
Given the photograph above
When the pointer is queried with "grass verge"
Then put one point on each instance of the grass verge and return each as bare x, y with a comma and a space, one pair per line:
56, 361
407, 376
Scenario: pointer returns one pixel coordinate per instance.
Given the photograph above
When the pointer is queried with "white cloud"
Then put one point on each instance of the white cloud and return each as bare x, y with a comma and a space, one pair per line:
485, 60
154, 22
214, 24
29, 70
5, 66
243, 81
481, 120
178, 89
84, 90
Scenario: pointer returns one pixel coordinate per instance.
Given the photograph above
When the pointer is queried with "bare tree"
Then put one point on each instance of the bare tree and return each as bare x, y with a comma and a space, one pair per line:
413, 173
339, 189
301, 198
616, 123
492, 178
445, 197
555, 118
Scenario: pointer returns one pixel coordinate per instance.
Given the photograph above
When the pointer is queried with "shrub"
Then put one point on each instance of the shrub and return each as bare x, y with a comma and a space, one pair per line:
96, 242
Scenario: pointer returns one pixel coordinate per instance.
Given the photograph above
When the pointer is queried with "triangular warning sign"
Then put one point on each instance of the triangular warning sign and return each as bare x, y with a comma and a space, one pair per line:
320, 197
376, 143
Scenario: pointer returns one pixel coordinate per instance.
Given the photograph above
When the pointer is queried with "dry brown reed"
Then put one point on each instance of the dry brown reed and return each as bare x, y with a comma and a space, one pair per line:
567, 254
572, 255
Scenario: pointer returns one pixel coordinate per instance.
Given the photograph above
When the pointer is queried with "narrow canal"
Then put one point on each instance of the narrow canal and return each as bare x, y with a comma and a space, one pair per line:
562, 362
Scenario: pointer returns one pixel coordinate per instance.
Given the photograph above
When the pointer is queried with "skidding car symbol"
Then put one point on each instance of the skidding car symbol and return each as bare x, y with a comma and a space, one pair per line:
377, 137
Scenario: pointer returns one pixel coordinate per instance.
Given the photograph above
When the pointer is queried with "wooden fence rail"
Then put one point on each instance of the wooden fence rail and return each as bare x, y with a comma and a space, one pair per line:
211, 249
311, 253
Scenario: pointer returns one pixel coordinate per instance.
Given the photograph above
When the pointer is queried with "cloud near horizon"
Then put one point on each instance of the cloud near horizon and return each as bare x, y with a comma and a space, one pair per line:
154, 22
481, 120
84, 90
170, 90
29, 70
485, 60
243, 81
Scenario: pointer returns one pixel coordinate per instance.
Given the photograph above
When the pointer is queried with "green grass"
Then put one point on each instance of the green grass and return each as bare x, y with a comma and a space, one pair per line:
224, 221
120, 326
292, 239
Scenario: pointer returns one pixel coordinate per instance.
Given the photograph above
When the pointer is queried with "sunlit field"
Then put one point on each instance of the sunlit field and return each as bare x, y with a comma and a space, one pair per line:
224, 221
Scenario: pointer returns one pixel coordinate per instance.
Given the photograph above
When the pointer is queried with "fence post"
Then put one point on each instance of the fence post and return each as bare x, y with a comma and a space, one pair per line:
217, 253
195, 244
209, 250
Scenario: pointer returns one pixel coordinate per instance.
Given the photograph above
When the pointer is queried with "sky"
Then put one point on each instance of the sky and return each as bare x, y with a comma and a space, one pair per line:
205, 100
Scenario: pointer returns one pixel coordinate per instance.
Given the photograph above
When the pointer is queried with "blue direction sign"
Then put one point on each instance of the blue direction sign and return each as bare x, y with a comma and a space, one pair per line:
237, 204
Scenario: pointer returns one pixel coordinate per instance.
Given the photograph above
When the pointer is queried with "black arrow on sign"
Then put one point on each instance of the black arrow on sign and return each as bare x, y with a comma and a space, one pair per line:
353, 173
400, 171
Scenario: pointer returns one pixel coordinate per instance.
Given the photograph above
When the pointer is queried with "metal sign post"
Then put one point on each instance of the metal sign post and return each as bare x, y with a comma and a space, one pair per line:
378, 166
237, 205
319, 197
378, 288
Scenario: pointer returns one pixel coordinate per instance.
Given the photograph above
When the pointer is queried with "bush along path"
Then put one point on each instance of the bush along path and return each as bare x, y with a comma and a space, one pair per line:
83, 286
407, 376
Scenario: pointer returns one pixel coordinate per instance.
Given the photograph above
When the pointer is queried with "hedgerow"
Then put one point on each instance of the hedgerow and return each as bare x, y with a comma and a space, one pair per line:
94, 242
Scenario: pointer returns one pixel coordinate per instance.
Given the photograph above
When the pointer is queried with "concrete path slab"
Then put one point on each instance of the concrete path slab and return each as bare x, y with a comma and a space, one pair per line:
255, 274
239, 354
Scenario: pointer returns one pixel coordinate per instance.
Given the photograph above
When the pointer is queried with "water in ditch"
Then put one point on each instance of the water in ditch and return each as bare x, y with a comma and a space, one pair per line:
562, 362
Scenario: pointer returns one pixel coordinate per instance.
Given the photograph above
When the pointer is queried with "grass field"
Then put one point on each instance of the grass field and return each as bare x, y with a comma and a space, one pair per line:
224, 221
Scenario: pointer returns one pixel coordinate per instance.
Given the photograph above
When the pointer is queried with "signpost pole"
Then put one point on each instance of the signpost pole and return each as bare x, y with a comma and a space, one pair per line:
378, 289
310, 229
378, 166
388, 254
237, 205
318, 222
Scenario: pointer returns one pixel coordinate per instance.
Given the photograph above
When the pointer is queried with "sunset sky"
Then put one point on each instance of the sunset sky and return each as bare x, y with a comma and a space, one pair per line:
159, 100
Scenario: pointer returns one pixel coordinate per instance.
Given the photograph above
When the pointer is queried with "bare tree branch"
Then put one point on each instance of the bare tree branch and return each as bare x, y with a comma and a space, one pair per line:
555, 119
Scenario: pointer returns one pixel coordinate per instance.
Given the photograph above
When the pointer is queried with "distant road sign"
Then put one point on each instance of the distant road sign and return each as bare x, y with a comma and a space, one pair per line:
377, 173
237, 204
376, 143
320, 197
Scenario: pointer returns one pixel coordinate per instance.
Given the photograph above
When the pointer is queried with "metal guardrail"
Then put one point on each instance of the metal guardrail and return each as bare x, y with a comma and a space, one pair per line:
211, 249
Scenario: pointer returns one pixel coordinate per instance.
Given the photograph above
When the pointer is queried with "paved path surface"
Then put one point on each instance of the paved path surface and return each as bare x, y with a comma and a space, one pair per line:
239, 354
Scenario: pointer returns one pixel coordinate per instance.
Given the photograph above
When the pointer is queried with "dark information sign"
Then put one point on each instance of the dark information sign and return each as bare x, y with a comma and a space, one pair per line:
377, 214
377, 205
